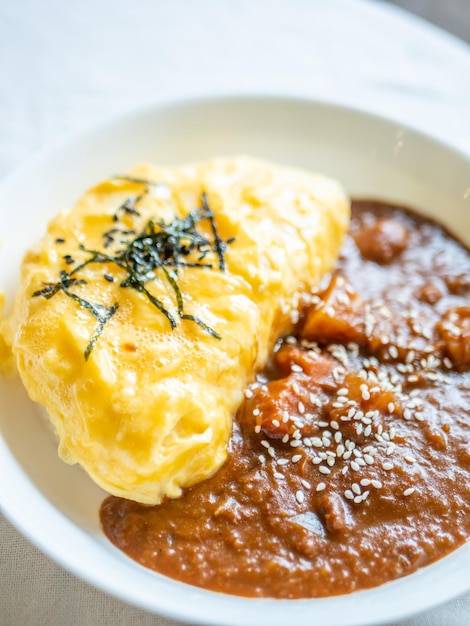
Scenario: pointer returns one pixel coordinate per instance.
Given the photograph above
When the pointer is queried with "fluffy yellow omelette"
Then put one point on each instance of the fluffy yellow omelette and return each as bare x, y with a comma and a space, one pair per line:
140, 346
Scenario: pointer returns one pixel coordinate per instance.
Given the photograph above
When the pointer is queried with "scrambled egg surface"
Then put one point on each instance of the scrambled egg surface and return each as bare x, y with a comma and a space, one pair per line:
145, 408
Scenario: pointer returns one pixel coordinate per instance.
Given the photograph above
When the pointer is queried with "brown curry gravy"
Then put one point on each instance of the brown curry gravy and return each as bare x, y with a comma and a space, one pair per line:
350, 459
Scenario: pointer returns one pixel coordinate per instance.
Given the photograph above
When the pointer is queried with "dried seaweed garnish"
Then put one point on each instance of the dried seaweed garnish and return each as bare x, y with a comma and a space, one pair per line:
129, 205
102, 313
135, 179
158, 251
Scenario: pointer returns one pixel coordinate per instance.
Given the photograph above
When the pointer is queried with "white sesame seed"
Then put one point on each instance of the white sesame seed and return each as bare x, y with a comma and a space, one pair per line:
334, 424
369, 459
410, 356
256, 411
316, 460
324, 470
257, 429
265, 443
349, 494
278, 476
296, 458
367, 431
365, 482
391, 407
271, 451
282, 462
295, 443
248, 393
295, 388
314, 400
337, 371
344, 391
357, 499
320, 487
365, 394
338, 436
276, 423
301, 407
299, 496
296, 368
262, 458
285, 439
305, 483
355, 466
409, 491
340, 450
409, 459
356, 489
294, 316
387, 466
376, 483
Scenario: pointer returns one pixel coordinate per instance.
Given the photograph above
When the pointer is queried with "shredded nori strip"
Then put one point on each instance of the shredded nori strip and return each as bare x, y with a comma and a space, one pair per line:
157, 251
102, 313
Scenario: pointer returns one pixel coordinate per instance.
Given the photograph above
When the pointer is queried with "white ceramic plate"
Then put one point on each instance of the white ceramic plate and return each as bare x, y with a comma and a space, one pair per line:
55, 505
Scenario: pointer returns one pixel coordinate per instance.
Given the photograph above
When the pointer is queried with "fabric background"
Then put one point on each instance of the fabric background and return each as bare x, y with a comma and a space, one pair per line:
66, 65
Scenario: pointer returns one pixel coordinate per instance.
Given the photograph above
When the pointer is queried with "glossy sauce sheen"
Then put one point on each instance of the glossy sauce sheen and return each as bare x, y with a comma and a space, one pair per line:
350, 458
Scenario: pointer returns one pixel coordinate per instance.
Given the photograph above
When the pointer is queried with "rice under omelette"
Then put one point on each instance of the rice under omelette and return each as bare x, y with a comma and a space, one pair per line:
141, 375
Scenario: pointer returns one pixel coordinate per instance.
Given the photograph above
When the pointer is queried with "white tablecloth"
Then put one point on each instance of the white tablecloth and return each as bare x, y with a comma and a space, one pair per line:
65, 65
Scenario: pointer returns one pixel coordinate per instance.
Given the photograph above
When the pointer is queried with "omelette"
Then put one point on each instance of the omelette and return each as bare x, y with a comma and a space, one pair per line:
146, 309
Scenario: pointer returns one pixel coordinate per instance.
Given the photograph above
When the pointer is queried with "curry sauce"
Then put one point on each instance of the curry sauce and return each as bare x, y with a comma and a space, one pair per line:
349, 462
